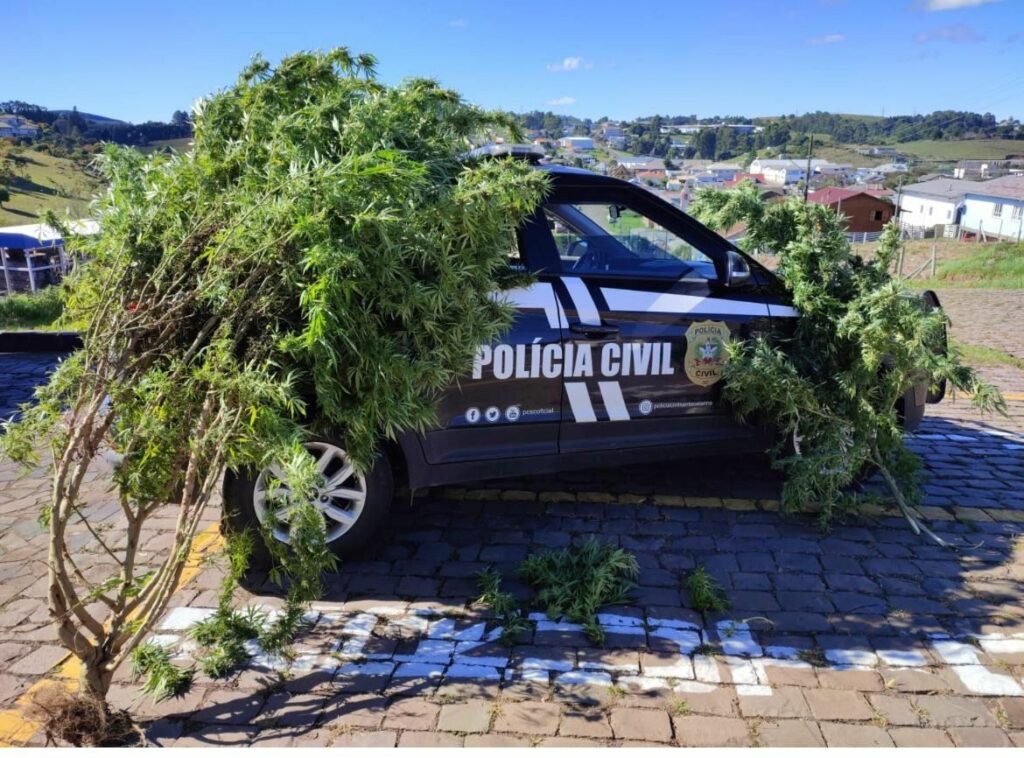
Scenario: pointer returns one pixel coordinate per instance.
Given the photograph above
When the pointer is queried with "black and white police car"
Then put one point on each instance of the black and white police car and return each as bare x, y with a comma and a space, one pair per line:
615, 356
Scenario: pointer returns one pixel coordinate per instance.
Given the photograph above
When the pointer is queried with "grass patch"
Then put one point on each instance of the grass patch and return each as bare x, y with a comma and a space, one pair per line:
39, 310
706, 594
44, 183
999, 266
954, 150
987, 356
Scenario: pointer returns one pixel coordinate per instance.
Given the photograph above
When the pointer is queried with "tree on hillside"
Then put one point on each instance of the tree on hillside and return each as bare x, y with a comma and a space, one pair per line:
181, 118
705, 143
5, 196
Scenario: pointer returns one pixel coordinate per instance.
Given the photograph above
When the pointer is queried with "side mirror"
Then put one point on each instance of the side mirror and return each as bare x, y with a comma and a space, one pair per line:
613, 213
737, 271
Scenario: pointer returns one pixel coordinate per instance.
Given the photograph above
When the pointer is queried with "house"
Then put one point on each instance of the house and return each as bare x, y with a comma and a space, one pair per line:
642, 163
971, 169
786, 170
891, 168
937, 201
876, 150
863, 209
724, 171
16, 126
757, 179
995, 208
577, 143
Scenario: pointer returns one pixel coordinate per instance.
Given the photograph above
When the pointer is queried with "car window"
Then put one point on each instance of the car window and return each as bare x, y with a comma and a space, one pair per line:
611, 239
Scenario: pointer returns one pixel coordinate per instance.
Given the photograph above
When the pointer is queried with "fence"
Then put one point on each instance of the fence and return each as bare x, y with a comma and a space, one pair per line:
33, 269
856, 237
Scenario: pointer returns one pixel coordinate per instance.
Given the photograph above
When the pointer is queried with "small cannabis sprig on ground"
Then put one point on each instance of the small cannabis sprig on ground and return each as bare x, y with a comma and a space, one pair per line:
576, 581
163, 679
706, 594
505, 606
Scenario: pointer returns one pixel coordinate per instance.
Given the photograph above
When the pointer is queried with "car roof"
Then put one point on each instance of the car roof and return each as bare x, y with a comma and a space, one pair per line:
579, 176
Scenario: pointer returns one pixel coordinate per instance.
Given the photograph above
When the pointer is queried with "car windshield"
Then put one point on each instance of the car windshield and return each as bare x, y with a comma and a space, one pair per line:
611, 239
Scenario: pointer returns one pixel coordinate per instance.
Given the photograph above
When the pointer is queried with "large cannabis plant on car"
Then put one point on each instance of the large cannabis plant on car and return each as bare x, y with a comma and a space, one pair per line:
833, 385
323, 243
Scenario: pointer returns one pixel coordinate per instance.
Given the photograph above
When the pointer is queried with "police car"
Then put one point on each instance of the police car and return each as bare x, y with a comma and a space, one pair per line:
615, 356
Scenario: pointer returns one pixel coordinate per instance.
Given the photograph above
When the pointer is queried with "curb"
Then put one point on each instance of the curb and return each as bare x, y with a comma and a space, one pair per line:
39, 342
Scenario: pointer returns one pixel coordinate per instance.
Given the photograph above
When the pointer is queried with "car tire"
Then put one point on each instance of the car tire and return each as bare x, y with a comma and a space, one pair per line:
245, 507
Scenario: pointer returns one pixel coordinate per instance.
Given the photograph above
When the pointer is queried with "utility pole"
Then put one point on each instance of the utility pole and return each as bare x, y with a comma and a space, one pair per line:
807, 173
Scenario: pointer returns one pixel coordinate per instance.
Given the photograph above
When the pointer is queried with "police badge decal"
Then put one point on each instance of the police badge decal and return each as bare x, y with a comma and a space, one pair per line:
705, 351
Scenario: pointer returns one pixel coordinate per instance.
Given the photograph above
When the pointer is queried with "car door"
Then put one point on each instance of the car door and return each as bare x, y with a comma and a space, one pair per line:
647, 322
510, 404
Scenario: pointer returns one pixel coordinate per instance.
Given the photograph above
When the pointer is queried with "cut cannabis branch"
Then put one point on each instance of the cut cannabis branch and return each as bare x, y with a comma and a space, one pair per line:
862, 341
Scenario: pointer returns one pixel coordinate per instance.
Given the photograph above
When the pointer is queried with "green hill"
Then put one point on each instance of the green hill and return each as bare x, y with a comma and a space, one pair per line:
42, 182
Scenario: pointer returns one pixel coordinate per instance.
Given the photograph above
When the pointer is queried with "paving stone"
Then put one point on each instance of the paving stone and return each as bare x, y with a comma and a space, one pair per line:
790, 733
528, 718
365, 739
784, 702
979, 736
496, 740
429, 739
412, 714
913, 737
592, 724
472, 716
224, 706
897, 711
711, 731
864, 681
721, 701
949, 710
854, 735
838, 705
1013, 708
641, 724
39, 661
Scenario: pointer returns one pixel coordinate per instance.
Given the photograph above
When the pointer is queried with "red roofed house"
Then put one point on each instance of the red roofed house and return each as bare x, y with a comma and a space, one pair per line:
865, 210
757, 179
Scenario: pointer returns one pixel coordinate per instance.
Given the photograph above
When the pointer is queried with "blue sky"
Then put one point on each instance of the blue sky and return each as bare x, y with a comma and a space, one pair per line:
142, 60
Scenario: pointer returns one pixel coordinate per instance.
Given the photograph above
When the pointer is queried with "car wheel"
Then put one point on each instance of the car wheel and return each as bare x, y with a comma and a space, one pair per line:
353, 504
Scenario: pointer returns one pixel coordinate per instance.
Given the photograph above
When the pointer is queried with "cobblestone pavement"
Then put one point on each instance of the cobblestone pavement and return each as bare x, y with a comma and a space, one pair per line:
866, 636
986, 317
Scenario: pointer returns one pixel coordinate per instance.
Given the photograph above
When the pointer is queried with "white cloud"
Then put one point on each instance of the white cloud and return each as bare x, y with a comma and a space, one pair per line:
826, 39
458, 23
952, 5
571, 63
564, 100
958, 33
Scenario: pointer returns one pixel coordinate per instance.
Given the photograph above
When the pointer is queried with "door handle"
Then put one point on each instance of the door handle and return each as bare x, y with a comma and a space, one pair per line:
595, 331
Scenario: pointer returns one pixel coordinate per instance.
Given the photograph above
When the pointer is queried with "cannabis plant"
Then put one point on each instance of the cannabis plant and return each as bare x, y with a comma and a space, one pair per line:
832, 386
323, 244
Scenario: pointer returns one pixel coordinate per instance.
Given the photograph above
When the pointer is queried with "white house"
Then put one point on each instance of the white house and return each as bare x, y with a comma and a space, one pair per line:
577, 143
995, 208
642, 163
724, 172
786, 170
937, 201
16, 126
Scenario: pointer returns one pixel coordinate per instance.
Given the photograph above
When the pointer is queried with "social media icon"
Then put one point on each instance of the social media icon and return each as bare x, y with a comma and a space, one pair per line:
472, 415
492, 414
512, 413
646, 406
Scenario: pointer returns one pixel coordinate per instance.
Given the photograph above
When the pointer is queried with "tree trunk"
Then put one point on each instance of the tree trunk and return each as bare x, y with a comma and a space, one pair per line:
94, 680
